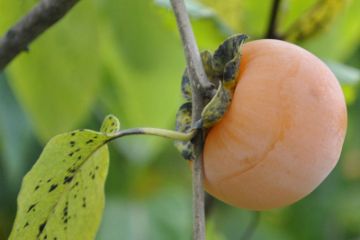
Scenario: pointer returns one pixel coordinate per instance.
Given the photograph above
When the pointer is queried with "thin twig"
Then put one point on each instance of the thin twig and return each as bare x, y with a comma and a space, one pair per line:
38, 20
272, 28
191, 49
200, 84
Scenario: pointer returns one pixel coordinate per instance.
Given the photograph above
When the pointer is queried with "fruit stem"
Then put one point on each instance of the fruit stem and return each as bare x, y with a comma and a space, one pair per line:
175, 135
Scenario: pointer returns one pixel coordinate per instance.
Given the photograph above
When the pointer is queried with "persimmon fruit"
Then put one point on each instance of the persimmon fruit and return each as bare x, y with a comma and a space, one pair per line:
283, 132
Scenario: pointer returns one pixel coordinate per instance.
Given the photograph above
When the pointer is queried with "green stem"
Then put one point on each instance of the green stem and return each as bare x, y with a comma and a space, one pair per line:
175, 135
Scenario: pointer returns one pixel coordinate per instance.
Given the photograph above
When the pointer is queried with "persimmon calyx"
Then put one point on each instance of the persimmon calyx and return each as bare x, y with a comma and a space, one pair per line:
222, 69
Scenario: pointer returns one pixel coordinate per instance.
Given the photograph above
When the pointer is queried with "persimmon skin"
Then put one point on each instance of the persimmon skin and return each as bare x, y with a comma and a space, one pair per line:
283, 132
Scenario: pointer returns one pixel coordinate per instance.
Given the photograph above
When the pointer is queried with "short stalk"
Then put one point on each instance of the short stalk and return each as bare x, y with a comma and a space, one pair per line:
170, 134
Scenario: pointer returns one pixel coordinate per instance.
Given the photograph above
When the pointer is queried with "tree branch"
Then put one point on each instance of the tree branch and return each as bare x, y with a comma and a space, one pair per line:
195, 67
199, 84
38, 20
272, 28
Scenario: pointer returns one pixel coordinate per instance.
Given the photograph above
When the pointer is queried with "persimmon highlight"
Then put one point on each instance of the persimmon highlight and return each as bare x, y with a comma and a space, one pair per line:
283, 132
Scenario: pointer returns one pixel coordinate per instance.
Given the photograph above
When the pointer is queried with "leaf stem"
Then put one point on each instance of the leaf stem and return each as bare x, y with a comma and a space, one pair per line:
175, 135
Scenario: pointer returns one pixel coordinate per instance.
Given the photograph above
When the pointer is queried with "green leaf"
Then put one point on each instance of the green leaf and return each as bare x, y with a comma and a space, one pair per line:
342, 37
229, 12
143, 66
211, 232
62, 196
344, 28
349, 78
252, 17
15, 136
12, 11
57, 80
314, 20
162, 216
346, 75
194, 8
248, 17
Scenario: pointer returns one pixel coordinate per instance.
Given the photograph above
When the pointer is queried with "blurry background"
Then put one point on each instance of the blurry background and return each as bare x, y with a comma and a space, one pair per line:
125, 57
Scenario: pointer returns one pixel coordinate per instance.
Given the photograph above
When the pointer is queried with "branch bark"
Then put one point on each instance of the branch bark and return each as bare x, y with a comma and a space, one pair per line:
200, 84
38, 20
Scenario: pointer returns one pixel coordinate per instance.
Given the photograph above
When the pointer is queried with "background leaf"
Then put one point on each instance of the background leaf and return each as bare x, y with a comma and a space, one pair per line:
58, 93
15, 136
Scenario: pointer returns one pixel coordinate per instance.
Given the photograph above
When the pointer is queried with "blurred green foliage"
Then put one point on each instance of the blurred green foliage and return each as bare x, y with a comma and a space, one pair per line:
125, 57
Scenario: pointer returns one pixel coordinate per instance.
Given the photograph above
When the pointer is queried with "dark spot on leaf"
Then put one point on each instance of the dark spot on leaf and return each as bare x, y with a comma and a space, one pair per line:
45, 237
93, 176
113, 124
37, 187
73, 133
53, 187
95, 137
89, 141
26, 224
84, 202
97, 167
79, 157
31, 207
49, 180
77, 150
41, 228
77, 183
72, 143
110, 117
65, 211
75, 196
68, 179
70, 154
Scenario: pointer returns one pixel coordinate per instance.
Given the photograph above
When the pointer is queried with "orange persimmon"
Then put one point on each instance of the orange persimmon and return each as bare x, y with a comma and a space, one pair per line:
283, 132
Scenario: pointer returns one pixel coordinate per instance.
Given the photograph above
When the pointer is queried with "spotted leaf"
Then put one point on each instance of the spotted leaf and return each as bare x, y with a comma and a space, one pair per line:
62, 196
